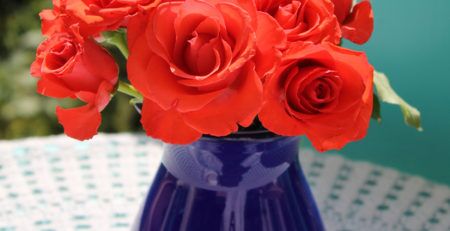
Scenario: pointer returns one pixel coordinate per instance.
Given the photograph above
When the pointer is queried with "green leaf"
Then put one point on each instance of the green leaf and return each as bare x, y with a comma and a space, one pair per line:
388, 95
135, 101
376, 111
128, 89
118, 39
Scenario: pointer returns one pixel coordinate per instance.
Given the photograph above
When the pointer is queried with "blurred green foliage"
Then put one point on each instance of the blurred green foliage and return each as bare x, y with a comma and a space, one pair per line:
23, 112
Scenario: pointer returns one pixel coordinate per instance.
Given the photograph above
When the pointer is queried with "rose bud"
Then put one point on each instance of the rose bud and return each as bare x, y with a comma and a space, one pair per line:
192, 61
357, 23
68, 66
304, 20
321, 91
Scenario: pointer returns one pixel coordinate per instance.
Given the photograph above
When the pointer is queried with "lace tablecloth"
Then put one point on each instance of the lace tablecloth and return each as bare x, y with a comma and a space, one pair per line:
57, 183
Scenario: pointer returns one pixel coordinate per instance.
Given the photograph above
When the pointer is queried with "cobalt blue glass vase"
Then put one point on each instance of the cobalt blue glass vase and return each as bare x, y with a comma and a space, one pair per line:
245, 182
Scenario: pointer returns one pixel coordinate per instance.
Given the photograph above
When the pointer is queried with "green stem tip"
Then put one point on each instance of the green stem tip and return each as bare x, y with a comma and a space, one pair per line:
128, 89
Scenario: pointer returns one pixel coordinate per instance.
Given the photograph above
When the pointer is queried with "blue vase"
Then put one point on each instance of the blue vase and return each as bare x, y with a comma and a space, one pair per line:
246, 182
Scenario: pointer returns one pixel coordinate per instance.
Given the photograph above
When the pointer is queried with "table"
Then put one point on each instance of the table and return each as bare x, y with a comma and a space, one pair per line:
56, 183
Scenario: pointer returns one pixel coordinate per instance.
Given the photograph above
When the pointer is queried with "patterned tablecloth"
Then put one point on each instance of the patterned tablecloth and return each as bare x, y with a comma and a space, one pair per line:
57, 183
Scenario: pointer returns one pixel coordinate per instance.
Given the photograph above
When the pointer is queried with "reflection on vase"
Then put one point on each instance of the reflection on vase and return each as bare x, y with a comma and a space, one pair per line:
233, 184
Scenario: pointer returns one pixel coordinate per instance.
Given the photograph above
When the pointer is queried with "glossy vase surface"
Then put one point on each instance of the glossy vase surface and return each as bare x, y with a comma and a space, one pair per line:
245, 183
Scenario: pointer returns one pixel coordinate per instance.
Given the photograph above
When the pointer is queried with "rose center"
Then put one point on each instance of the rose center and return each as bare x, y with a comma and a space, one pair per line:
59, 55
320, 94
200, 55
297, 16
313, 90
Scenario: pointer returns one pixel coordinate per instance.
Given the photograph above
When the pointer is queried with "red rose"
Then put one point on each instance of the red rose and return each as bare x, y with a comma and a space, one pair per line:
92, 16
192, 61
357, 23
323, 91
107, 14
59, 19
69, 66
304, 20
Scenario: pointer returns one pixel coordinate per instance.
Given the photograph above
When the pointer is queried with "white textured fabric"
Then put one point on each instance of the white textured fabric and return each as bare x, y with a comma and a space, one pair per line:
57, 183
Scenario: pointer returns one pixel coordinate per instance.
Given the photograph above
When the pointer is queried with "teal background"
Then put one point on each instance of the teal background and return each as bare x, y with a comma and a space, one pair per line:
411, 44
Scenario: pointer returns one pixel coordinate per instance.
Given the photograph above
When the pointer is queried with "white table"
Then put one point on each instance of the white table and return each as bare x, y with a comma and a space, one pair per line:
57, 183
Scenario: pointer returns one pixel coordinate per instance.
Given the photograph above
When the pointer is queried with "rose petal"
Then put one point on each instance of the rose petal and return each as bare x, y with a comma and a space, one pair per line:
99, 62
342, 9
238, 24
358, 73
103, 95
348, 126
273, 114
167, 92
53, 87
137, 62
268, 54
237, 105
358, 27
166, 125
80, 123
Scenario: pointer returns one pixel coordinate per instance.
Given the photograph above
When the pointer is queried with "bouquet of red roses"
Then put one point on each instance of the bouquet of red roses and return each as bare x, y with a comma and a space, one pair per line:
214, 66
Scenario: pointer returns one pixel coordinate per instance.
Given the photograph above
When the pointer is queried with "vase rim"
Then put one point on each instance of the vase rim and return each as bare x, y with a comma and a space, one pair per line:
262, 135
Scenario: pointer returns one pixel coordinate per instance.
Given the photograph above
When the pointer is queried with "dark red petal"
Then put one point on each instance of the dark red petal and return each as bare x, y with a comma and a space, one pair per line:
358, 27
80, 123
342, 9
308, 51
237, 105
166, 125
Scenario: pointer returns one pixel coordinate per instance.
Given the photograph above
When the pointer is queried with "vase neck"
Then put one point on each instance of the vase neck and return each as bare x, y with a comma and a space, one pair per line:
231, 164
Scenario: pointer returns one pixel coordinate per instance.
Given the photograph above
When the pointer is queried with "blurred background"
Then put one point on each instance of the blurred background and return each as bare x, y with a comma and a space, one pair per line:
411, 44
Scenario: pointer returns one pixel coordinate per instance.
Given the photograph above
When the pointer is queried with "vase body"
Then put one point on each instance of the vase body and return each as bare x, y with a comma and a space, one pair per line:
230, 184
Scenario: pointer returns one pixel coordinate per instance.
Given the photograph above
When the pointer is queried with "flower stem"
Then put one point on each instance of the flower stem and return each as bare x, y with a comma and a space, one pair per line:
123, 49
118, 39
128, 89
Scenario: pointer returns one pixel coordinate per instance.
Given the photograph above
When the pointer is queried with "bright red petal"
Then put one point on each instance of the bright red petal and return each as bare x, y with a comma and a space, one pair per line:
99, 62
237, 105
163, 87
358, 27
268, 54
80, 123
166, 125
348, 126
273, 115
53, 87
138, 61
